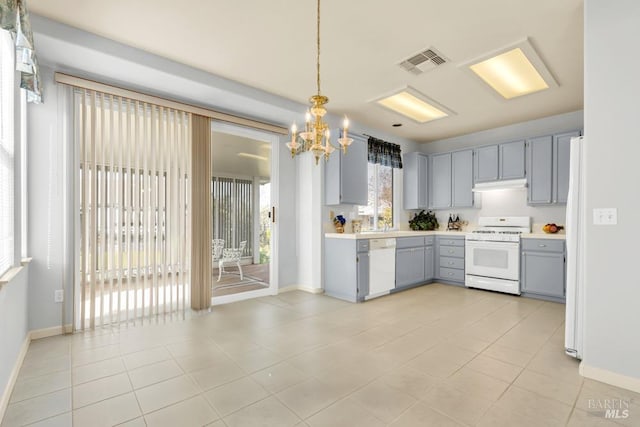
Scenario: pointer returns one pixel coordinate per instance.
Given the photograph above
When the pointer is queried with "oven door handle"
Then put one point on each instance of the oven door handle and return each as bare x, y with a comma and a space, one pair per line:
493, 245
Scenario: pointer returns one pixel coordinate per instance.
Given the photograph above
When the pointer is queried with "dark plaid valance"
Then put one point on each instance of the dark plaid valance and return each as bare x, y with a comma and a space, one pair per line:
384, 153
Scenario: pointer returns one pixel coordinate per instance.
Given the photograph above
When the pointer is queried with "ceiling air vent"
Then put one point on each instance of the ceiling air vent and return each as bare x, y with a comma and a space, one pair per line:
424, 61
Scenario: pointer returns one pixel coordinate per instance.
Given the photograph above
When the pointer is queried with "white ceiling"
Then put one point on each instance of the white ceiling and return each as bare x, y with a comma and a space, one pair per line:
270, 45
225, 149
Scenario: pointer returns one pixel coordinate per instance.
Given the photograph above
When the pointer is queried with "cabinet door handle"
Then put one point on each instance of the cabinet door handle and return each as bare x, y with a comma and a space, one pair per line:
451, 251
542, 246
450, 262
450, 274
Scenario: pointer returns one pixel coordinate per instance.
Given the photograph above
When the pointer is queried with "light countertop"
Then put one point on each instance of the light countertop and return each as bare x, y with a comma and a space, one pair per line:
410, 233
390, 234
557, 236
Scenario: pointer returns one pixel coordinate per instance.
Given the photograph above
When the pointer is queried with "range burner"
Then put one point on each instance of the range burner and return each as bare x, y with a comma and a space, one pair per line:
500, 229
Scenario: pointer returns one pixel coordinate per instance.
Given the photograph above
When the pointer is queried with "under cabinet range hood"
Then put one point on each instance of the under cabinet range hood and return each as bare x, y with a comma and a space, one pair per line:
500, 185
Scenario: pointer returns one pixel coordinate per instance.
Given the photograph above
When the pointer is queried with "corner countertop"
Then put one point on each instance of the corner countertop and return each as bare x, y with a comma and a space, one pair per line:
393, 234
556, 236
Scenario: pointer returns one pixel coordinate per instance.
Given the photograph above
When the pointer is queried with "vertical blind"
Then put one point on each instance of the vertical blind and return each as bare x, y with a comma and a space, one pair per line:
7, 88
134, 202
233, 212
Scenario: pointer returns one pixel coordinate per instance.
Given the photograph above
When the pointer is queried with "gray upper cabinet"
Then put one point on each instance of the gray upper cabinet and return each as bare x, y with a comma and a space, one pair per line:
440, 188
511, 160
451, 180
498, 162
486, 163
462, 179
540, 153
346, 178
561, 152
548, 168
414, 183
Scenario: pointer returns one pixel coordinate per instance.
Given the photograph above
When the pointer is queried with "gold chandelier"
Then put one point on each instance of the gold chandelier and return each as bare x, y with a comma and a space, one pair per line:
316, 136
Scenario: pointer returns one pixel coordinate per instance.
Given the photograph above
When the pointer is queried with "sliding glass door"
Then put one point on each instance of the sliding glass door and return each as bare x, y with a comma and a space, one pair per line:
242, 204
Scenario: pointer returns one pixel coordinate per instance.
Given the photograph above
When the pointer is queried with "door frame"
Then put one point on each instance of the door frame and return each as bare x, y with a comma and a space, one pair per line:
272, 139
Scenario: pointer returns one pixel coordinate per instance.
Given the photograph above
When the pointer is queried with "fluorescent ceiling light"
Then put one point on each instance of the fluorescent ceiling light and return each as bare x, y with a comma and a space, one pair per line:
513, 71
252, 156
416, 106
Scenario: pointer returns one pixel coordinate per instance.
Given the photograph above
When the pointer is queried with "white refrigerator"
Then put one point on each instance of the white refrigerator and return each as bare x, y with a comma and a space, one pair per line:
575, 231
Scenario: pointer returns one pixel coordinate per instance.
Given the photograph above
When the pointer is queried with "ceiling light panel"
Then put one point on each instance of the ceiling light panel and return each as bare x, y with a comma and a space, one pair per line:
252, 156
414, 105
513, 71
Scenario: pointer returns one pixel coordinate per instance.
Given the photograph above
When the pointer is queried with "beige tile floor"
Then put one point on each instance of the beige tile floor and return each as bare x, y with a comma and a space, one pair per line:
435, 355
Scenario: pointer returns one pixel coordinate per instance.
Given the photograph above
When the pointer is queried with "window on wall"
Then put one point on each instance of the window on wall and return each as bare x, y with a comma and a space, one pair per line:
7, 88
378, 214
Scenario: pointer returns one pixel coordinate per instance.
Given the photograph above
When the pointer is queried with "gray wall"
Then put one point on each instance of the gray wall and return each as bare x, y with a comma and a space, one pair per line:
612, 286
46, 174
287, 218
532, 128
13, 323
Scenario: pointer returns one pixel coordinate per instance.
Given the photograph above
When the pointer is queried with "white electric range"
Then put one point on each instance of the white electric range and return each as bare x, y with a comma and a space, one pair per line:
492, 254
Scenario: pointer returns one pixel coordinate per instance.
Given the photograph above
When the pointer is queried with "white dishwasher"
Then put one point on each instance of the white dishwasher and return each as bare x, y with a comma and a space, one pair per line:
382, 267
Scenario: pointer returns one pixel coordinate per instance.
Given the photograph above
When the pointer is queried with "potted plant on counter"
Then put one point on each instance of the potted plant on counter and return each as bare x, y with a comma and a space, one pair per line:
423, 221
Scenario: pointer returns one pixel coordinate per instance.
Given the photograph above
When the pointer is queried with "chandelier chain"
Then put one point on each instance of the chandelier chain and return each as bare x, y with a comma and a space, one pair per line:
318, 46
316, 135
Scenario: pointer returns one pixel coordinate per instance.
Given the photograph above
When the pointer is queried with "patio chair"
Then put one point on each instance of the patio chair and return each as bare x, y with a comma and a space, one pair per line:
217, 247
231, 255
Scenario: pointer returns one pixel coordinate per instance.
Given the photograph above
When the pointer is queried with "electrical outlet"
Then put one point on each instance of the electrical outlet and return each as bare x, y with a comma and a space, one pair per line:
58, 295
605, 216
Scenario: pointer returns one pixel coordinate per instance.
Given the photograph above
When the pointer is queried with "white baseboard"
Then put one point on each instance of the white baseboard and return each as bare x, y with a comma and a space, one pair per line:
50, 332
300, 288
31, 335
6, 395
608, 377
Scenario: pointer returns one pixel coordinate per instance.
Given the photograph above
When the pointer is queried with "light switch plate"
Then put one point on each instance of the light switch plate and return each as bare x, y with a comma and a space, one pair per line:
605, 216
58, 295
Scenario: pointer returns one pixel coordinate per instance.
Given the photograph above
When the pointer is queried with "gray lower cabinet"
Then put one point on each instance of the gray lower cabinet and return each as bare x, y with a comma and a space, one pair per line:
409, 266
429, 263
346, 268
414, 181
542, 269
346, 175
449, 259
414, 261
362, 290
